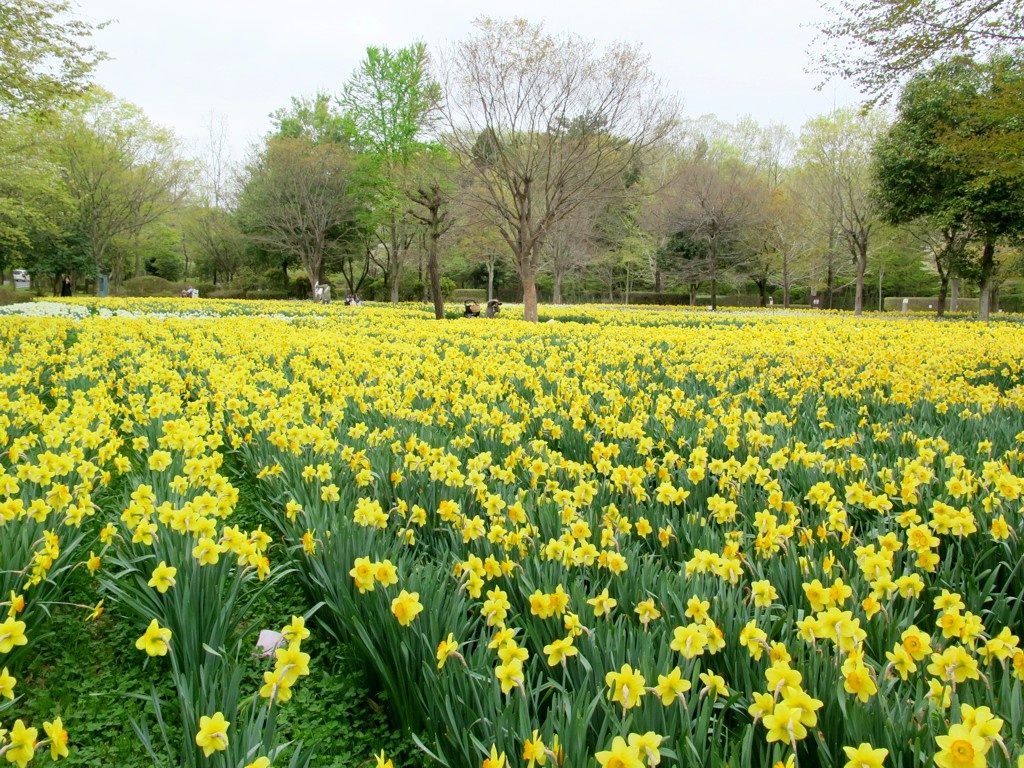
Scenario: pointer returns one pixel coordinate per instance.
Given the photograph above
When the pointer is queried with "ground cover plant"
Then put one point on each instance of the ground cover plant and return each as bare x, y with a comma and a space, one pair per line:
649, 538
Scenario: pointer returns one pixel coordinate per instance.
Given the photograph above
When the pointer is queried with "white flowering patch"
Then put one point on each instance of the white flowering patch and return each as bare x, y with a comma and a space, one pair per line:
46, 309
78, 312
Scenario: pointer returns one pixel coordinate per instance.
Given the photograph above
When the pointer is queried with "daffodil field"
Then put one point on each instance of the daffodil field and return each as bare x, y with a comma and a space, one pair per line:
619, 539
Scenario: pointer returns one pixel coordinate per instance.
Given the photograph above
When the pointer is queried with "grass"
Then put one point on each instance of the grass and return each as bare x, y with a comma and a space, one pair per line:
91, 675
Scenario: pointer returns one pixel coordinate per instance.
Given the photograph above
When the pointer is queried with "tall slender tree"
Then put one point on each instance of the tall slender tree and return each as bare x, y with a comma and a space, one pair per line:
389, 103
835, 155
545, 124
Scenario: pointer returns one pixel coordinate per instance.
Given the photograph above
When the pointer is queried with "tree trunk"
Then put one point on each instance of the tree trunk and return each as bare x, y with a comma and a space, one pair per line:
138, 257
556, 290
396, 263
987, 270
881, 298
657, 280
785, 280
943, 291
490, 278
830, 279
395, 277
954, 294
427, 284
862, 265
762, 287
529, 288
714, 272
435, 280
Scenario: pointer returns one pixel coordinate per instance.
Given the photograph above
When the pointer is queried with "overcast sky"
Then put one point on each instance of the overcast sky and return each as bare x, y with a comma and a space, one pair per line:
187, 60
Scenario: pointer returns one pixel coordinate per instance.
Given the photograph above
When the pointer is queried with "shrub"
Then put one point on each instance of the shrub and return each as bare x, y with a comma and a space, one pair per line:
267, 294
469, 294
651, 297
298, 287
205, 289
447, 287
8, 295
151, 285
926, 304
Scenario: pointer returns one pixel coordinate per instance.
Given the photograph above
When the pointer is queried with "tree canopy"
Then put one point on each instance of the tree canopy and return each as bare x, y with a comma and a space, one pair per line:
44, 54
878, 44
922, 170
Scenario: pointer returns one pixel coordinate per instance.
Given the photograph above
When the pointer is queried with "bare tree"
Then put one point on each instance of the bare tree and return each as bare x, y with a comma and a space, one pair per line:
545, 124
717, 203
835, 153
568, 248
215, 162
299, 200
431, 195
790, 235
477, 235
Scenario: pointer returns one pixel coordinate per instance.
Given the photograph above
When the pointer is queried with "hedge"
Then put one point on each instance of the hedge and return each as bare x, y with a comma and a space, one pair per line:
926, 304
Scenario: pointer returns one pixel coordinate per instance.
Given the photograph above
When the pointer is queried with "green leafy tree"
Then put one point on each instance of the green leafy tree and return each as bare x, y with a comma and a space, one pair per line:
121, 173
55, 251
213, 242
389, 103
921, 172
314, 119
33, 200
44, 56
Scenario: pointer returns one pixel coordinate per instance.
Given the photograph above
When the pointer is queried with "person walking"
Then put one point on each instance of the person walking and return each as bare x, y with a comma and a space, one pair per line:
65, 286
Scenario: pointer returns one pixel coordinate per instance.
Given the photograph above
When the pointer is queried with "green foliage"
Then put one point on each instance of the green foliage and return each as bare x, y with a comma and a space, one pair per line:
922, 167
151, 285
301, 200
89, 675
44, 58
313, 119
667, 299
121, 173
879, 43
469, 294
389, 100
33, 202
926, 304
57, 253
